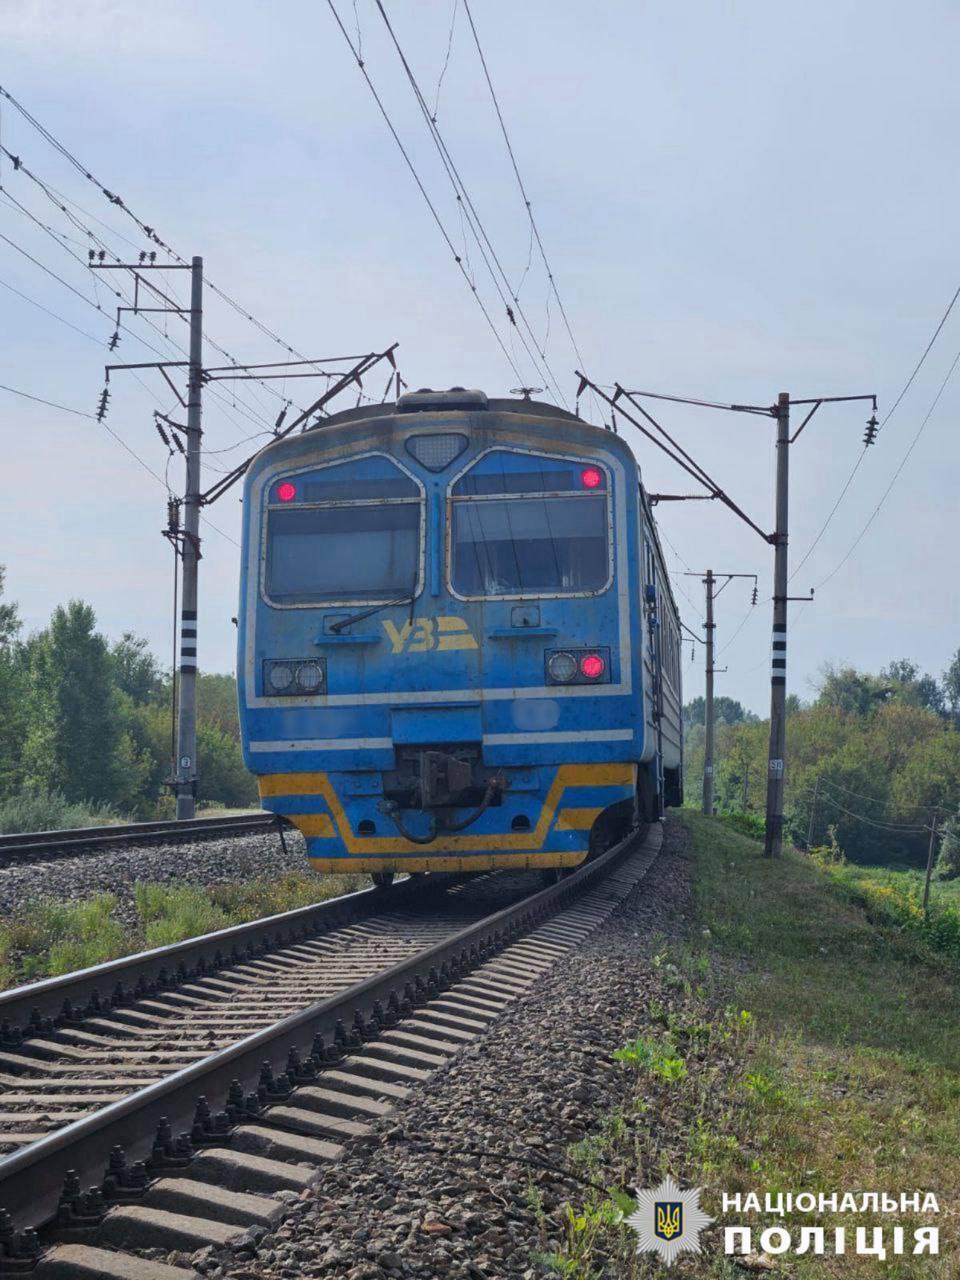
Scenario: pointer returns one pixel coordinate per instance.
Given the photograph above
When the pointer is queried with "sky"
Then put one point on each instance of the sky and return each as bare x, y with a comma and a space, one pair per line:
735, 200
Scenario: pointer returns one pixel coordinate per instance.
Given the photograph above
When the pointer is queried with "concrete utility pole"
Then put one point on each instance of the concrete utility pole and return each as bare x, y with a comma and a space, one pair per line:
709, 625
773, 840
930, 850
813, 811
709, 581
663, 441
185, 781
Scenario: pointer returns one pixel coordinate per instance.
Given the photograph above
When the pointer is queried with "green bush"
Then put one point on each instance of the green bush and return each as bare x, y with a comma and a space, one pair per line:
748, 824
51, 811
890, 903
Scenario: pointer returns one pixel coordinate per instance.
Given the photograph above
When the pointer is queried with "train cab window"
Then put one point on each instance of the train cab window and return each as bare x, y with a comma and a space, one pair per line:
348, 533
528, 524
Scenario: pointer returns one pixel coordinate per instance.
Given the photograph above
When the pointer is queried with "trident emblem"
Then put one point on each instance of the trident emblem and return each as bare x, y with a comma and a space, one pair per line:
669, 1219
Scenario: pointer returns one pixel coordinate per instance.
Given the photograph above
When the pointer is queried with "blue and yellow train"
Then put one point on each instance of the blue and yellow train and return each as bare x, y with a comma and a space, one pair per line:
458, 647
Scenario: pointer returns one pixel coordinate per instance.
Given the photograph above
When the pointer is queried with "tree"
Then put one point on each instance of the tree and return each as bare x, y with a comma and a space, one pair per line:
73, 734
951, 684
217, 703
223, 777
725, 711
948, 859
9, 618
135, 670
851, 692
908, 685
11, 696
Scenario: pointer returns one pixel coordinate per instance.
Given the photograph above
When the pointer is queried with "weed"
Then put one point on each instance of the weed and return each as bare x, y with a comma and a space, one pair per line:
650, 1055
51, 811
56, 937
171, 913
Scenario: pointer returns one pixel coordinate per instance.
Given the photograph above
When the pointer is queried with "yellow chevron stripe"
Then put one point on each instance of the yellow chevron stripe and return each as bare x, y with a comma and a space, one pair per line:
577, 819
567, 775
316, 824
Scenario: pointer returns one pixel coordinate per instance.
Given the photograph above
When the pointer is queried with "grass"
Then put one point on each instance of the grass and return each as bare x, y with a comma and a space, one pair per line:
51, 811
50, 938
819, 1048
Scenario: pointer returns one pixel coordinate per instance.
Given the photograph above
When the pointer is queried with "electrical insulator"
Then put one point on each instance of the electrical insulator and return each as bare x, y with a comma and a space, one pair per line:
693, 654
870, 435
753, 599
173, 515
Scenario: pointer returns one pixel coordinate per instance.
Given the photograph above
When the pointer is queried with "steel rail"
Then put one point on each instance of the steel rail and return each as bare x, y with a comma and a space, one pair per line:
32, 845
39, 1007
31, 1178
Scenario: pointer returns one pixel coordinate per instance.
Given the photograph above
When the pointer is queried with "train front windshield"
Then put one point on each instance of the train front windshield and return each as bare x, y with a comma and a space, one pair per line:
324, 554
529, 545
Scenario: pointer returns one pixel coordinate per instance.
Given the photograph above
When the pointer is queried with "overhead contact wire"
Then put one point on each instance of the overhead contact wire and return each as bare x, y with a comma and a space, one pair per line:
473, 218
423, 191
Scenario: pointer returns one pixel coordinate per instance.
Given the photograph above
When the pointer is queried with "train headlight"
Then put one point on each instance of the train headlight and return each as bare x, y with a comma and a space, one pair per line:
287, 677
562, 667
577, 666
309, 676
281, 677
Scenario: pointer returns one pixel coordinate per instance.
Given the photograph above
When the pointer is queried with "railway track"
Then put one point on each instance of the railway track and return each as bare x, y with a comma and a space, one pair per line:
304, 1029
39, 846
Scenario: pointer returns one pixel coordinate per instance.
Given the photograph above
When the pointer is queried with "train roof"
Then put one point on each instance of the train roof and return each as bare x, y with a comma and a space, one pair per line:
456, 399
465, 400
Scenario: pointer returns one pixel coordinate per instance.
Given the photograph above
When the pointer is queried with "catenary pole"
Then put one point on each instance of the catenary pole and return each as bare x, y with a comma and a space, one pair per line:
709, 626
773, 841
709, 580
780, 412
186, 774
813, 811
930, 849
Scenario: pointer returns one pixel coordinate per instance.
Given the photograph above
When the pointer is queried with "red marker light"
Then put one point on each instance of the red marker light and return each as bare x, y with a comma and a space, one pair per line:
286, 491
591, 478
592, 666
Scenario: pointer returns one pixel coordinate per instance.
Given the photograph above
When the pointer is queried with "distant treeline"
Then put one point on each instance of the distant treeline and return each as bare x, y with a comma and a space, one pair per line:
885, 748
86, 722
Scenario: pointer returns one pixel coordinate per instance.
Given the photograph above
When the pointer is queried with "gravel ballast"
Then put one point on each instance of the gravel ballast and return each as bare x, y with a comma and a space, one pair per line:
451, 1184
73, 877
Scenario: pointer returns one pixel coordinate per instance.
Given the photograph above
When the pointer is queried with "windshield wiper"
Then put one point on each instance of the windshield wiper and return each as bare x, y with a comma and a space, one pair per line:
341, 623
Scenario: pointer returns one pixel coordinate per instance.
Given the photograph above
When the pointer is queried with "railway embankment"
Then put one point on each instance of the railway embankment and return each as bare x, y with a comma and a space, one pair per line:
739, 1024
813, 1049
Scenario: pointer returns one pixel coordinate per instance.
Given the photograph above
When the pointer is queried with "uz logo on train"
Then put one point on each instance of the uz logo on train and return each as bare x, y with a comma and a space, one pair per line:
429, 633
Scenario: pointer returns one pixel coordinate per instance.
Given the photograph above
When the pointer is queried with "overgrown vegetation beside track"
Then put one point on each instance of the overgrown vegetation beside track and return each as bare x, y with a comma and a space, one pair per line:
50, 938
873, 756
85, 727
806, 1045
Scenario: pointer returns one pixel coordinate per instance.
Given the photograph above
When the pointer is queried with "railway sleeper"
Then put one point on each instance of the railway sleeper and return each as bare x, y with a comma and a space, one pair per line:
299, 1130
